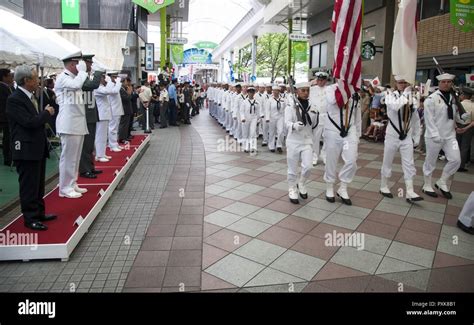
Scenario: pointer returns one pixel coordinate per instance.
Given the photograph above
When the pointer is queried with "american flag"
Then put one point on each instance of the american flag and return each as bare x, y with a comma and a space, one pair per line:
346, 24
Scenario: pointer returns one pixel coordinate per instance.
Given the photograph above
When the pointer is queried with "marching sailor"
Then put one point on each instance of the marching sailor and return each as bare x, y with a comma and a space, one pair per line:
268, 95
318, 95
235, 110
71, 124
250, 112
342, 130
299, 121
441, 115
403, 134
261, 98
275, 117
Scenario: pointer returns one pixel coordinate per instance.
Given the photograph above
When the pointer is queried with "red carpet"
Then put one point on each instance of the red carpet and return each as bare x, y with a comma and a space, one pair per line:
68, 210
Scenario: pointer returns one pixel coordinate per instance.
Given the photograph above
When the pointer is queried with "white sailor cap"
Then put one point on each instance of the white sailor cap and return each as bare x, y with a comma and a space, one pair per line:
399, 78
276, 87
251, 88
321, 74
381, 88
303, 85
445, 76
268, 85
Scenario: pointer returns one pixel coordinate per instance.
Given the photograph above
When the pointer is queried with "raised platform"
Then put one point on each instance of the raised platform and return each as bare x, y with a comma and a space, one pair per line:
75, 216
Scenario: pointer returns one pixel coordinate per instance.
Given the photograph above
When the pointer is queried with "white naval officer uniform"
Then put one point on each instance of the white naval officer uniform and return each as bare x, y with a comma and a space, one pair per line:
117, 111
250, 112
275, 117
318, 99
71, 125
104, 109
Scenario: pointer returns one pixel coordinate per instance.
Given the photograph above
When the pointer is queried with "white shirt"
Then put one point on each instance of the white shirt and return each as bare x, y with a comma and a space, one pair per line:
437, 122
318, 97
334, 112
298, 137
395, 102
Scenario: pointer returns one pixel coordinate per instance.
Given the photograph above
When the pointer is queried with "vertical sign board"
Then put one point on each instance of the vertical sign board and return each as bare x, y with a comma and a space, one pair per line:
70, 11
462, 14
149, 56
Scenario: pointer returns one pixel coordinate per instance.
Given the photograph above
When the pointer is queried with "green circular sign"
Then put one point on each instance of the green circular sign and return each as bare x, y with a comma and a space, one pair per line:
368, 51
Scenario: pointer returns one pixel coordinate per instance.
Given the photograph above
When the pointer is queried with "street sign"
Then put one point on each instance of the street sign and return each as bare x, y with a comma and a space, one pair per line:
70, 12
177, 40
150, 56
300, 37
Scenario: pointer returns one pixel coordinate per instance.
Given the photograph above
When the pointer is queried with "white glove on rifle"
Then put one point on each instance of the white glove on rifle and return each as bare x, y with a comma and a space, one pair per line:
298, 126
107, 79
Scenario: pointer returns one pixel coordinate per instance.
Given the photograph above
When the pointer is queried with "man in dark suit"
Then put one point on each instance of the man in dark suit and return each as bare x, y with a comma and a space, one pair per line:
126, 96
6, 89
29, 145
86, 165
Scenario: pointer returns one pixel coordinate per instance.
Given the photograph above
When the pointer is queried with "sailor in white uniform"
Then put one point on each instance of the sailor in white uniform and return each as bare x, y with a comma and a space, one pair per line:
275, 117
299, 121
104, 109
250, 113
318, 98
441, 114
117, 111
342, 130
402, 135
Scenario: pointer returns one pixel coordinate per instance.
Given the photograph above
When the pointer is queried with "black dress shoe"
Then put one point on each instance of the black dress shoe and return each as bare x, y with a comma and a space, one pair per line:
389, 195
273, 150
89, 175
429, 193
264, 144
462, 170
447, 195
97, 171
415, 199
465, 228
345, 201
48, 217
36, 225
280, 150
330, 199
294, 201
303, 196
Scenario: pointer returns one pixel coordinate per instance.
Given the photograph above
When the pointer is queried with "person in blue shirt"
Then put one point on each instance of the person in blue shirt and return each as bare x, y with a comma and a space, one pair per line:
173, 100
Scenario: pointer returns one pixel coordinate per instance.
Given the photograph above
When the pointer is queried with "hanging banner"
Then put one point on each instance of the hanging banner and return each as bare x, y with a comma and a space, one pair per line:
70, 12
177, 53
206, 45
153, 5
300, 52
462, 14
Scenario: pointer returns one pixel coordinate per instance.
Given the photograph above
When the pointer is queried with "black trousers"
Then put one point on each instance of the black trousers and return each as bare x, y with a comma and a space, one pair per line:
87, 162
172, 112
464, 141
124, 127
6, 145
186, 109
31, 175
164, 114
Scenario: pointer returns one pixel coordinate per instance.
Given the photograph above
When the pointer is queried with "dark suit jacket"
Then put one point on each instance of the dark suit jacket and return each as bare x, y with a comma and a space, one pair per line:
5, 91
27, 128
92, 115
126, 102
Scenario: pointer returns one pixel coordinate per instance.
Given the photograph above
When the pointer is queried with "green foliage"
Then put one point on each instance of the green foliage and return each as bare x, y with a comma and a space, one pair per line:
272, 54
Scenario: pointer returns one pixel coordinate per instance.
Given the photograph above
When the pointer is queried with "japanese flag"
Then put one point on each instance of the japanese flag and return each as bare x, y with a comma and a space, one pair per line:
470, 78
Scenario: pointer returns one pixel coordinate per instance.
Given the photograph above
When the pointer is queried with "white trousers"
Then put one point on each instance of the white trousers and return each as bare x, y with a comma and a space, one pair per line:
101, 132
467, 214
337, 146
451, 151
260, 128
228, 123
113, 131
317, 136
391, 146
249, 134
71, 148
275, 130
294, 154
265, 128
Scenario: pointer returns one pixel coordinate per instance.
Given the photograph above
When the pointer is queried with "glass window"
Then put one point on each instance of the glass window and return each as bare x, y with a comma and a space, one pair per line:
319, 54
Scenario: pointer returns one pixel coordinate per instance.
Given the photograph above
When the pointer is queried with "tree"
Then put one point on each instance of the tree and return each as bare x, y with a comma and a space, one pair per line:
271, 56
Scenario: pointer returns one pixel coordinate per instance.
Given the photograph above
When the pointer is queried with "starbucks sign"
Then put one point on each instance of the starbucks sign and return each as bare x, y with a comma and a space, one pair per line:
368, 51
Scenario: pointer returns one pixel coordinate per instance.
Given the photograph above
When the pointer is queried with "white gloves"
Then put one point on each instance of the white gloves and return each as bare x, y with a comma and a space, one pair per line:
97, 67
298, 126
107, 79
118, 80
81, 66
436, 139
